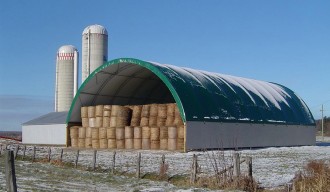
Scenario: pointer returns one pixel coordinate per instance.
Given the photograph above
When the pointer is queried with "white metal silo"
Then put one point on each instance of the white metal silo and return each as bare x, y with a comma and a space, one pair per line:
66, 77
94, 49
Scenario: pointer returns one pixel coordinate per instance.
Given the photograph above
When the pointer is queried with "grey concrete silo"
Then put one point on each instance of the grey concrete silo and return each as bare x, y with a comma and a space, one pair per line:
94, 49
66, 77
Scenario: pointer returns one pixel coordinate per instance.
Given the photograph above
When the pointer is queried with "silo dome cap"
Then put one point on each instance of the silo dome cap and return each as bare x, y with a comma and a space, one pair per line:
67, 49
99, 29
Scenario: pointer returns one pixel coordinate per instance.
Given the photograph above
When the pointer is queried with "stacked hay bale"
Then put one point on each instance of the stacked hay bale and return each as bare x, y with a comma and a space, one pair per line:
74, 135
136, 115
137, 143
145, 137
161, 115
85, 139
151, 126
129, 135
145, 113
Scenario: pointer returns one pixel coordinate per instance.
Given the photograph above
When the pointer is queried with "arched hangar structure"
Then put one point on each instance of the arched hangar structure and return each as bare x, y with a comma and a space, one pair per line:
219, 111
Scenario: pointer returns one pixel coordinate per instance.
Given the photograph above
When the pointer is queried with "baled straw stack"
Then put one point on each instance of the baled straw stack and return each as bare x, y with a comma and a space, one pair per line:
112, 144
99, 111
144, 121
113, 121
129, 144
74, 132
111, 133
153, 110
152, 121
137, 110
84, 112
120, 133
102, 133
85, 122
154, 144
171, 145
180, 144
163, 144
106, 110
74, 142
154, 133
137, 143
162, 110
89, 132
91, 111
180, 131
172, 132
88, 142
145, 143
103, 143
106, 122
120, 143
82, 132
172, 138
161, 121
81, 142
92, 122
123, 116
95, 133
145, 112
95, 143
129, 132
99, 121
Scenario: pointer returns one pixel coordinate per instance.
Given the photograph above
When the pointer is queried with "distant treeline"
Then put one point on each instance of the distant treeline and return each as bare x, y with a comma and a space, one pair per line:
11, 134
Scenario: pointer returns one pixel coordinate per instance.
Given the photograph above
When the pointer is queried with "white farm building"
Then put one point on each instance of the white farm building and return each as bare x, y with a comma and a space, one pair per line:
49, 129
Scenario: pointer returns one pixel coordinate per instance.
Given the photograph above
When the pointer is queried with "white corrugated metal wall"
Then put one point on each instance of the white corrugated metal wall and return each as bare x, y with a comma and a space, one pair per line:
54, 134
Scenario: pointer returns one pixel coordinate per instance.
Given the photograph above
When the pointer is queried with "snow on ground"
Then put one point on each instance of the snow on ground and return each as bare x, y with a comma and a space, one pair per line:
272, 167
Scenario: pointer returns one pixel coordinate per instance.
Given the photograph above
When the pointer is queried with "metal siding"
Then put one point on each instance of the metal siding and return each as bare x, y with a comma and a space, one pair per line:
44, 134
206, 135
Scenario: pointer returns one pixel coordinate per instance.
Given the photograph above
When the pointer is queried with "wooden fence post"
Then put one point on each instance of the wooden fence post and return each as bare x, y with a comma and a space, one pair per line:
236, 165
77, 157
34, 153
16, 151
10, 171
24, 149
61, 156
193, 176
94, 160
49, 153
138, 165
113, 162
249, 163
0, 149
162, 168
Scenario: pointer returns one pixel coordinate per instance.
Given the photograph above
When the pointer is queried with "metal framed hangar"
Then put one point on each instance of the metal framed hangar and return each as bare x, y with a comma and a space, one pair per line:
218, 111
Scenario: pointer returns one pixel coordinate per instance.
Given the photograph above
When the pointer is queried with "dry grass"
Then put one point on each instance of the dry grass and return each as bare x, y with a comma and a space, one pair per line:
244, 183
314, 178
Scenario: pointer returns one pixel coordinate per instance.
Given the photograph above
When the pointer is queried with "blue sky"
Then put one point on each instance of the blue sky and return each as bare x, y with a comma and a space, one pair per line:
287, 42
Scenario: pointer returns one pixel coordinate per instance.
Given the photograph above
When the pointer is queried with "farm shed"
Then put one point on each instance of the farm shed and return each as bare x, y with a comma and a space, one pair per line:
218, 111
49, 129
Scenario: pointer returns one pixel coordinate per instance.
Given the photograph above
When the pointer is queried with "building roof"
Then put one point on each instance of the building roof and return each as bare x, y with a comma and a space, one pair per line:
48, 119
200, 95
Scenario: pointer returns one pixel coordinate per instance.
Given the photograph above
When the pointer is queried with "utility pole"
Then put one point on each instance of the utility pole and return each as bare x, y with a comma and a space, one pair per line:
322, 122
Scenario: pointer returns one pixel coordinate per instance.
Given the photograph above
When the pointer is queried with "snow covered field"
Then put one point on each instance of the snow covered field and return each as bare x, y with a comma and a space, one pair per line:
272, 167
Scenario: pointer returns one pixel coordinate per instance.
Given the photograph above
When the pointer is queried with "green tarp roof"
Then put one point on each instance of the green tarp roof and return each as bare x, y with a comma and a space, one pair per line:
200, 95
